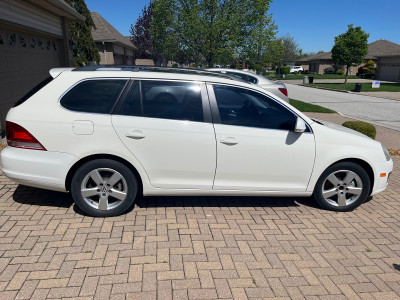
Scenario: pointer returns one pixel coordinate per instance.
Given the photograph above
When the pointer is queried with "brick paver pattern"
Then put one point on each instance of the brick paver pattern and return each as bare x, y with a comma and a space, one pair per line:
199, 248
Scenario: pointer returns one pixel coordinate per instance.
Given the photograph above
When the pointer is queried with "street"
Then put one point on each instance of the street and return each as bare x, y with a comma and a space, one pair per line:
378, 111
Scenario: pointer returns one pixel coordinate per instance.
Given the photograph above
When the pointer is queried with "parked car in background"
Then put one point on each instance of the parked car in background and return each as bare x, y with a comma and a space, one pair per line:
298, 69
100, 133
277, 88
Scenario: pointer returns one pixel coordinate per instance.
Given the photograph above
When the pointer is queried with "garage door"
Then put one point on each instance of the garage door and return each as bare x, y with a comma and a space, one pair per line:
25, 59
389, 72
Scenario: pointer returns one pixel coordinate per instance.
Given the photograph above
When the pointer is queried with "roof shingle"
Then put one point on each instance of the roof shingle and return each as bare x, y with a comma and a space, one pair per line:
105, 32
375, 49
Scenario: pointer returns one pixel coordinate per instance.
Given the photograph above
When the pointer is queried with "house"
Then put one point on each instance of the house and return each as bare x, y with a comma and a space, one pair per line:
34, 37
114, 48
317, 63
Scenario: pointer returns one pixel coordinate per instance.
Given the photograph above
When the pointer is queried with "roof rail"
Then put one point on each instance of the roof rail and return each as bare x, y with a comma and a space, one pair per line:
156, 69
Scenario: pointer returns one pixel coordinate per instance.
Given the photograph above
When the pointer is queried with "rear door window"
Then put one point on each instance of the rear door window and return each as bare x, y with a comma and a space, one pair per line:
165, 100
94, 96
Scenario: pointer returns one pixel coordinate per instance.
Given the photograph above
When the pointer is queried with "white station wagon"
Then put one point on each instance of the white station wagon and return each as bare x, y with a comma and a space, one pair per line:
110, 134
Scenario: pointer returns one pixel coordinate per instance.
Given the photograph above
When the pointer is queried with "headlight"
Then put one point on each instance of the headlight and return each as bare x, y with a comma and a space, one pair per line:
387, 155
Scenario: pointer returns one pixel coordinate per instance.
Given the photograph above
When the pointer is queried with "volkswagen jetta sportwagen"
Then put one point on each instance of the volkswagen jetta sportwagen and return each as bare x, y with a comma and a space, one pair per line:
107, 134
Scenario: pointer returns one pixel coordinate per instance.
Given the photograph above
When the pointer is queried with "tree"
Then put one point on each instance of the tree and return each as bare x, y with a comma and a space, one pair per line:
84, 49
350, 48
162, 30
259, 46
208, 31
290, 48
142, 38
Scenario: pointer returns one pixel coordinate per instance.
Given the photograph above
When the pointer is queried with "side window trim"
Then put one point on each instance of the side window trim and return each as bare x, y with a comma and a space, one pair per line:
90, 79
213, 104
121, 98
215, 110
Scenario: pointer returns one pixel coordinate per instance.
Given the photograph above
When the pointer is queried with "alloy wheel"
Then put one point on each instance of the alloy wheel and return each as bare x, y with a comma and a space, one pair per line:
104, 189
342, 188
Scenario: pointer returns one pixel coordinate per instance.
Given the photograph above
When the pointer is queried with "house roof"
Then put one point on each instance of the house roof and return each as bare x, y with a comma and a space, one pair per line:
375, 49
383, 48
105, 32
322, 55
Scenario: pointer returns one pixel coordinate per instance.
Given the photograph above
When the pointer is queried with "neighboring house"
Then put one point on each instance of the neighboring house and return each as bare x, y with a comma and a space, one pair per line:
114, 48
34, 37
317, 63
388, 67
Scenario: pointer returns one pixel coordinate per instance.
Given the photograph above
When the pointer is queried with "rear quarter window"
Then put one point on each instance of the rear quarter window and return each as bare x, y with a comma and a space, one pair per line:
93, 96
33, 91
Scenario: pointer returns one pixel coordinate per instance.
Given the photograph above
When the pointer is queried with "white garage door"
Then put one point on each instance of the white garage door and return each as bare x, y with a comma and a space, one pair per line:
25, 60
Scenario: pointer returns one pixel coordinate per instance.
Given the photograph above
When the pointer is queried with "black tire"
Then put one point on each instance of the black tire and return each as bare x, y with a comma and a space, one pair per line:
362, 182
126, 187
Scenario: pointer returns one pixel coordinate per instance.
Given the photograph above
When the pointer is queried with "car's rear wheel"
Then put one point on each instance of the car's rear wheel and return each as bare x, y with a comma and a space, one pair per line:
104, 188
342, 187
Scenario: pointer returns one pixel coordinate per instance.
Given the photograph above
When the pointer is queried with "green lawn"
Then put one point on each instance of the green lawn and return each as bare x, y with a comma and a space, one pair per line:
307, 107
366, 87
316, 76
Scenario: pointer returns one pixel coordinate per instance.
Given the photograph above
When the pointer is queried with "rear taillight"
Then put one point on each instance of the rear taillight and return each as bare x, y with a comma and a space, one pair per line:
283, 91
19, 137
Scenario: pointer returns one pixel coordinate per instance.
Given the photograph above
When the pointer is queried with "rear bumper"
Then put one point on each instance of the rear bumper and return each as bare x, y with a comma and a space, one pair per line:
382, 182
42, 169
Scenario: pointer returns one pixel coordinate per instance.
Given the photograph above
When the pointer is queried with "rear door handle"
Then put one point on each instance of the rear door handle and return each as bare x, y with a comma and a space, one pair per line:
229, 141
136, 134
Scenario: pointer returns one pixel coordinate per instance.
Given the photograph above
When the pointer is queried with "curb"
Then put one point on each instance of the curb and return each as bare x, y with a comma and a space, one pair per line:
324, 88
347, 92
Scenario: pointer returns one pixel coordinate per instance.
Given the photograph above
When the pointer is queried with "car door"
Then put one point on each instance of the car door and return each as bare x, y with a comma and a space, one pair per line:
257, 148
167, 126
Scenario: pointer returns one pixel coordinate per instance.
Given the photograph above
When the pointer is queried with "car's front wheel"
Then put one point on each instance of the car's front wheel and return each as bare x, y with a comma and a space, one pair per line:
342, 187
104, 188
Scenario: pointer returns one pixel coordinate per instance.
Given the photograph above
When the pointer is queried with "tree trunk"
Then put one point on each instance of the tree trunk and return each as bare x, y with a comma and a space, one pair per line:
347, 73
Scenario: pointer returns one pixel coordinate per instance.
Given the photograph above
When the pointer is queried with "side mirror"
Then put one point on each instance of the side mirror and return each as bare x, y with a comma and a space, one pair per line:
300, 125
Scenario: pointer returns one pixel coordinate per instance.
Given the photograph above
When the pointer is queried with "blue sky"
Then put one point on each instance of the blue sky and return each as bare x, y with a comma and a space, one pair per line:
313, 23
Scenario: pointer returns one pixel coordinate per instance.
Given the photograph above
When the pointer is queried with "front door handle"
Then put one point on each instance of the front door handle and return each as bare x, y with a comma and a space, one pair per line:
136, 134
229, 141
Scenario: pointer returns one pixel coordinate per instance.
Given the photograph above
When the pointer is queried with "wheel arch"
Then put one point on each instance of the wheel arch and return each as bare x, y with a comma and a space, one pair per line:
72, 170
367, 167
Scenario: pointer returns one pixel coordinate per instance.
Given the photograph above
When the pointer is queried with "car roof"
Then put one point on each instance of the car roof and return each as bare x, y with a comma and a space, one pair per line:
147, 72
167, 70
262, 79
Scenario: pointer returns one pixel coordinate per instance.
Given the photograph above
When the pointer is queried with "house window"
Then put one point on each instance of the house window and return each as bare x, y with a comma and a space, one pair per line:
12, 40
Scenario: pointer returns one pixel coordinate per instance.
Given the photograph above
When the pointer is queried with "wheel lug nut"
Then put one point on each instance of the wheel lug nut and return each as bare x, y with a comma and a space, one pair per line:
104, 194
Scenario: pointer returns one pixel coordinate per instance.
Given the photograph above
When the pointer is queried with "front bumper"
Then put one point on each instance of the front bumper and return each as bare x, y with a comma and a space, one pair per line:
42, 169
381, 183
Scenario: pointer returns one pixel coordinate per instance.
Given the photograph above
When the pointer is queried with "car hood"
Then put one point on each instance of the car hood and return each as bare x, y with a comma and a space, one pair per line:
340, 128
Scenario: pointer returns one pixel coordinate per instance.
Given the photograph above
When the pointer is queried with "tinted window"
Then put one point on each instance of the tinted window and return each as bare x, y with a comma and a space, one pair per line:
94, 96
172, 100
242, 107
131, 105
33, 91
245, 77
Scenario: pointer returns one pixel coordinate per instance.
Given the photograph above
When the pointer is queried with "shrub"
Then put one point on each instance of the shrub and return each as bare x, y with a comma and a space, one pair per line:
283, 70
363, 127
340, 72
175, 65
295, 72
329, 70
368, 69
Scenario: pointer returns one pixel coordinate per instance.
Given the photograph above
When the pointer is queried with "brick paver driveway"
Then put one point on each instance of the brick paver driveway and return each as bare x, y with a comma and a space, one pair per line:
199, 248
